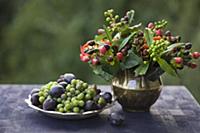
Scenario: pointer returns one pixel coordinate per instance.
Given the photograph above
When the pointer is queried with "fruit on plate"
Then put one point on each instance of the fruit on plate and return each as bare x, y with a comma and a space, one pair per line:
69, 94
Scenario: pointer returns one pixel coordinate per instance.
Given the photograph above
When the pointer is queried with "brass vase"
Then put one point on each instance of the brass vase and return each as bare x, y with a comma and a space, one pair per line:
135, 93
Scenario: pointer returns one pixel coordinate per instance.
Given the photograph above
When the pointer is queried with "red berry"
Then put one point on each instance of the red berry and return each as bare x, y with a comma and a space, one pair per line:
159, 32
119, 56
95, 61
84, 58
151, 25
192, 65
102, 49
178, 60
196, 55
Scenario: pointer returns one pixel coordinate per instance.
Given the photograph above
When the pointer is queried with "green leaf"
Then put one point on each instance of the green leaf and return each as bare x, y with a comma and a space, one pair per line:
113, 70
131, 61
125, 41
166, 67
171, 47
148, 35
142, 69
99, 37
108, 34
99, 71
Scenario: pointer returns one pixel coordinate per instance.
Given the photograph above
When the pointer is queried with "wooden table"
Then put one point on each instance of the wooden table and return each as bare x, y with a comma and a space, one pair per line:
176, 111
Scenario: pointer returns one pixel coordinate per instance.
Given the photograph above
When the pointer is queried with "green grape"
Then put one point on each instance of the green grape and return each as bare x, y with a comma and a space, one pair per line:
81, 103
61, 110
76, 110
41, 99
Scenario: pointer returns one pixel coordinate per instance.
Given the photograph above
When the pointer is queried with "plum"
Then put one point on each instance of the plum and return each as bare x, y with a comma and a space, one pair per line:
63, 84
68, 77
35, 90
107, 96
116, 118
35, 99
49, 104
90, 105
56, 91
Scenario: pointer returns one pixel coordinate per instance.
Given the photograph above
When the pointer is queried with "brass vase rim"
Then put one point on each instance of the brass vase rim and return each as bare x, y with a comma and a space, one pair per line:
151, 89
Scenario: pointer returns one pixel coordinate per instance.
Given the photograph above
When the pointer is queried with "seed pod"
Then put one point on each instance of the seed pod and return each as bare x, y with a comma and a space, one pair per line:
168, 33
124, 51
178, 38
144, 52
128, 46
140, 34
91, 42
188, 45
125, 18
110, 59
192, 65
115, 49
141, 41
136, 41
186, 52
107, 47
172, 39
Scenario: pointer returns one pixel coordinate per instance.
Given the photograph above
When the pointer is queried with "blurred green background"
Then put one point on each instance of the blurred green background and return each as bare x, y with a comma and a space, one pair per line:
40, 39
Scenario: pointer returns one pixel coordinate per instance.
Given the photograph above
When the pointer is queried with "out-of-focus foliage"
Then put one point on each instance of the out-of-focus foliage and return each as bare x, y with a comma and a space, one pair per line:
40, 39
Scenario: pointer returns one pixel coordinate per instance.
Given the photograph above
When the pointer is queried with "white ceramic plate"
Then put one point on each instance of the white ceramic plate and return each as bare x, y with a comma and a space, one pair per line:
60, 115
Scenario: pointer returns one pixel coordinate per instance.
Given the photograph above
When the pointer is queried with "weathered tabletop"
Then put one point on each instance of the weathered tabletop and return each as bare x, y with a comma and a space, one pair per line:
176, 111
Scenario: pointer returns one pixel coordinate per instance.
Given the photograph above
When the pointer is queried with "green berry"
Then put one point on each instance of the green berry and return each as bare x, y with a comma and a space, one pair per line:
41, 93
81, 103
41, 99
69, 94
145, 62
154, 59
74, 81
76, 110
80, 96
59, 106
67, 102
68, 106
85, 85
101, 101
73, 98
59, 100
75, 103
88, 96
61, 110
107, 19
72, 90
68, 87
77, 92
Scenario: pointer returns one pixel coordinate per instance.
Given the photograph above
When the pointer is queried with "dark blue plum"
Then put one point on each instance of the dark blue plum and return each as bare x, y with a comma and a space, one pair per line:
68, 77
116, 118
108, 97
63, 84
35, 99
90, 105
56, 91
49, 104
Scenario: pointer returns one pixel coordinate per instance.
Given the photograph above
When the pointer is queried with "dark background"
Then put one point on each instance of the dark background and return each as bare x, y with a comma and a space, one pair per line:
40, 39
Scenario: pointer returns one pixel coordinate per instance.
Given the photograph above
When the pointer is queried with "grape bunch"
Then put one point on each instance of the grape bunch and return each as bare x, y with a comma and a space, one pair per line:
69, 94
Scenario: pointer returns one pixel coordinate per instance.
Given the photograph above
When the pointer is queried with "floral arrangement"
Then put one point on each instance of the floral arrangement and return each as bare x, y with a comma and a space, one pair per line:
148, 51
